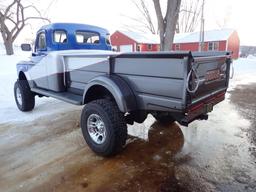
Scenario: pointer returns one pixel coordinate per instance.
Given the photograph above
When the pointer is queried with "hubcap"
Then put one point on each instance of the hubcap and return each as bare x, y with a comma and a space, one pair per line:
96, 128
18, 96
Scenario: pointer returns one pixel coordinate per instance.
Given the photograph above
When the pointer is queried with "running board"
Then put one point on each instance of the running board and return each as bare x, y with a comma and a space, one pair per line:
64, 96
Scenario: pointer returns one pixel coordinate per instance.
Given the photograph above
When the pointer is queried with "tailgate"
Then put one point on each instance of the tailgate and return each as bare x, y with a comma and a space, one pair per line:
208, 76
207, 82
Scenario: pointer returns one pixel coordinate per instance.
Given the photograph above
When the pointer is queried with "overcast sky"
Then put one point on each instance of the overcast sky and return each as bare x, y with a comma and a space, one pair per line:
239, 14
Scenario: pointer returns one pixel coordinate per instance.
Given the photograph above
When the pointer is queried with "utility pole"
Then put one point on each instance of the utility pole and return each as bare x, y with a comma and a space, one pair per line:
201, 38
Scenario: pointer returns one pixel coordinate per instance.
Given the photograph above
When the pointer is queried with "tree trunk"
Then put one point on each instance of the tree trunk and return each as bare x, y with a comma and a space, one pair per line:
169, 34
172, 13
8, 47
167, 23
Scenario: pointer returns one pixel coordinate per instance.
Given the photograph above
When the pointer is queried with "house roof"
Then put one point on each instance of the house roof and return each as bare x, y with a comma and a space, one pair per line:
212, 35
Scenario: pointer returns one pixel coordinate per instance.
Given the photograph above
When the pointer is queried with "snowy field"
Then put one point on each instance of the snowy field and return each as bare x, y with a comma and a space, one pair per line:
8, 110
244, 73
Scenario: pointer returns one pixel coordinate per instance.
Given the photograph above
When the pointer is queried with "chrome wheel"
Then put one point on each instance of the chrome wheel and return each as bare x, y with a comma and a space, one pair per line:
96, 128
19, 96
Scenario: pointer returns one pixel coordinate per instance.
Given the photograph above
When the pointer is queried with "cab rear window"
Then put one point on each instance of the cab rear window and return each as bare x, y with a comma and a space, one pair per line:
87, 37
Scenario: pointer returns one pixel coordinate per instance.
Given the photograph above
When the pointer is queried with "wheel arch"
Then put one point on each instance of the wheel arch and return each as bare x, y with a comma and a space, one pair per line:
22, 69
114, 86
22, 76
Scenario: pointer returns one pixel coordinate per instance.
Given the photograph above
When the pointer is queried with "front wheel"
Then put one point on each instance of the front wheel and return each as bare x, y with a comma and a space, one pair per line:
25, 99
103, 127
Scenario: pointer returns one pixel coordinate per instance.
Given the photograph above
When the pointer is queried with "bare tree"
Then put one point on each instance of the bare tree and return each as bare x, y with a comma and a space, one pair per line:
143, 21
224, 21
13, 19
167, 23
189, 16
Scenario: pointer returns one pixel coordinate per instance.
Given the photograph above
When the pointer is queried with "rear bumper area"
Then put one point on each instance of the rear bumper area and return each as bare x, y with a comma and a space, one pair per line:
200, 109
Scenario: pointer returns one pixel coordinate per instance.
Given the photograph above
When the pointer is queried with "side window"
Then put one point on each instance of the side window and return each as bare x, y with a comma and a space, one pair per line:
41, 44
60, 36
108, 39
87, 37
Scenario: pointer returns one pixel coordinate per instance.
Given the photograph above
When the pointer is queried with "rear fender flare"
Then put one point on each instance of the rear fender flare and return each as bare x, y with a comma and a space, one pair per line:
120, 90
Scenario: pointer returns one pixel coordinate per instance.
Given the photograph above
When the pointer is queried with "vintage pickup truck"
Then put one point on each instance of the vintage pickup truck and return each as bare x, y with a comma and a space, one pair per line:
74, 63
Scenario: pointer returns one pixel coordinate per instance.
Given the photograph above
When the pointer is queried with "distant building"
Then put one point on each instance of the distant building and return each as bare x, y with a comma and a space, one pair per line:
215, 40
127, 41
245, 51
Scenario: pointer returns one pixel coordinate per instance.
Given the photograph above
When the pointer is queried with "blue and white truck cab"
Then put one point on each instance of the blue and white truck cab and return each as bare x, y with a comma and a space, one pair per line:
70, 36
74, 63
65, 36
57, 39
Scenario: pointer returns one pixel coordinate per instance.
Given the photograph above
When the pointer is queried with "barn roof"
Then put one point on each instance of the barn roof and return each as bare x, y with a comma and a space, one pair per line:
142, 37
212, 35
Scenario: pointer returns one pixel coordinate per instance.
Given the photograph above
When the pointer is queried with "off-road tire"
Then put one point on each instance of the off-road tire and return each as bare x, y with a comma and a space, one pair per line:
164, 119
115, 126
27, 96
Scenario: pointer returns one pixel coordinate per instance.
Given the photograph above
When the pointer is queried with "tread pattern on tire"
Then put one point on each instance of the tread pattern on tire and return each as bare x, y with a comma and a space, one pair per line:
118, 124
28, 98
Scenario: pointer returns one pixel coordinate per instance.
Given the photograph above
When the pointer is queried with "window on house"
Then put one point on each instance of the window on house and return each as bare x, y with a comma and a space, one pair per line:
158, 47
213, 46
216, 46
41, 44
87, 37
149, 46
210, 46
60, 36
138, 48
177, 47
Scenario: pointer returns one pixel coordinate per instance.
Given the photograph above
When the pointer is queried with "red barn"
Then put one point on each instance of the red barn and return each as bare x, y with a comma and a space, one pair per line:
215, 40
128, 41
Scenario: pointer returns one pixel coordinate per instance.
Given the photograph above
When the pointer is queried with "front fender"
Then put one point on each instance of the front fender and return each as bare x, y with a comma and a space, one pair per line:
122, 93
24, 66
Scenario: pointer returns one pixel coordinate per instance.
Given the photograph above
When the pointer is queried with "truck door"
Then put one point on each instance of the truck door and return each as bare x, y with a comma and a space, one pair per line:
55, 63
39, 71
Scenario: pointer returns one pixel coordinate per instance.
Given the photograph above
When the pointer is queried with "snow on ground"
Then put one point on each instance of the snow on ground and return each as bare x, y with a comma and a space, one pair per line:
251, 57
244, 73
8, 110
